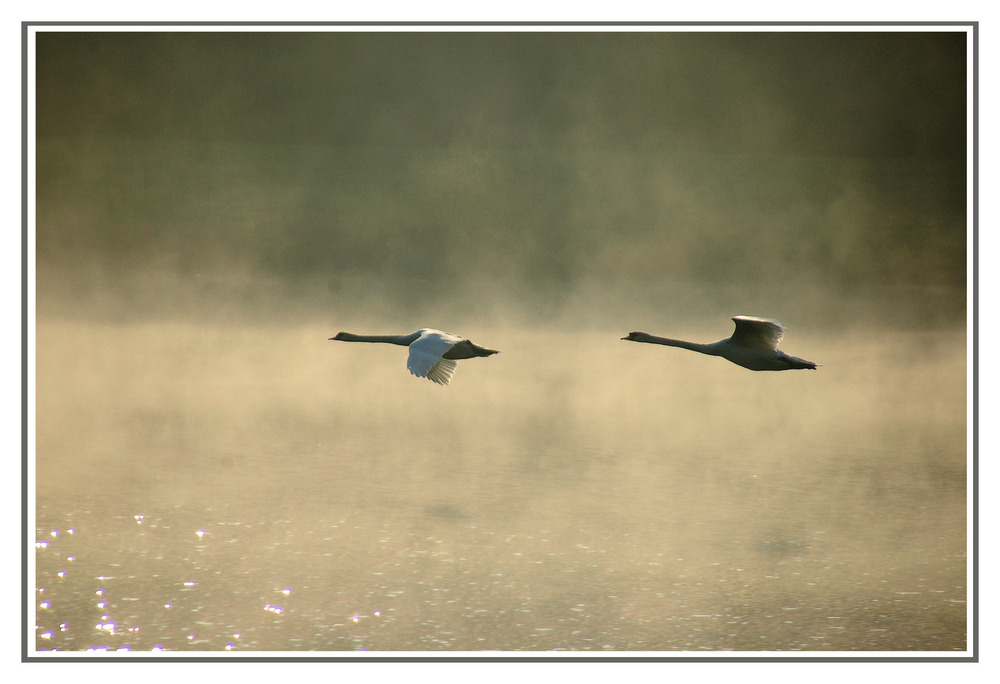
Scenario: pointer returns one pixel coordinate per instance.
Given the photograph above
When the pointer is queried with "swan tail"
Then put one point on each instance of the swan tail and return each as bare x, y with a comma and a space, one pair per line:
795, 363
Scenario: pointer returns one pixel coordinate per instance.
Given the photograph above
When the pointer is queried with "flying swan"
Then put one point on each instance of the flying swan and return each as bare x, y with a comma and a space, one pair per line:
754, 345
433, 353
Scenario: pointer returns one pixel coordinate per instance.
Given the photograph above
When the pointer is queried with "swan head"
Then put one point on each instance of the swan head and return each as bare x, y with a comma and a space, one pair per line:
340, 336
636, 337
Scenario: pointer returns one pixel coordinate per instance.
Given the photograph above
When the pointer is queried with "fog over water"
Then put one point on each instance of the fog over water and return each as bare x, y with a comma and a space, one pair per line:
213, 207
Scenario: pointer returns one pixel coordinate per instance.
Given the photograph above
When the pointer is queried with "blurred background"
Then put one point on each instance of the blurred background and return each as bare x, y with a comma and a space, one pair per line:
528, 175
213, 473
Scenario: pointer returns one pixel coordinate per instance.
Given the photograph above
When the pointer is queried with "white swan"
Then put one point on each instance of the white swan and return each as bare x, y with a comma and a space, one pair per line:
432, 352
754, 345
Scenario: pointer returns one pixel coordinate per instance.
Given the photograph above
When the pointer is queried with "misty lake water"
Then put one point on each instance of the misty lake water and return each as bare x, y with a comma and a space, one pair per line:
213, 488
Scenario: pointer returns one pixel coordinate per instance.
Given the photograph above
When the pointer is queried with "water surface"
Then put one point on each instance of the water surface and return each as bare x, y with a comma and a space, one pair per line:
211, 487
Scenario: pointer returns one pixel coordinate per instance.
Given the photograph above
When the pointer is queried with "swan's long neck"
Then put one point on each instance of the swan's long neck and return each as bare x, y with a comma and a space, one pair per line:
711, 349
403, 340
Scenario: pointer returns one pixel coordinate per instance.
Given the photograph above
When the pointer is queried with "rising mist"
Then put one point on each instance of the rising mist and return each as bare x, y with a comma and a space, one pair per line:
503, 174
212, 207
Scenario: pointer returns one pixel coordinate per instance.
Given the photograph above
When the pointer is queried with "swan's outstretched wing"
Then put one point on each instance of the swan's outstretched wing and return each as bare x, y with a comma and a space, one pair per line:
757, 333
425, 356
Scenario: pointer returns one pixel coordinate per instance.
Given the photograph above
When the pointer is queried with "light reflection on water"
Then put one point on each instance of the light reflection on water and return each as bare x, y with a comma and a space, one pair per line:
656, 509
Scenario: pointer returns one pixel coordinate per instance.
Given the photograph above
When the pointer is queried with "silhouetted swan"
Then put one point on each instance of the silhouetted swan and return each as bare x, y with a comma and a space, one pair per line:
432, 353
754, 345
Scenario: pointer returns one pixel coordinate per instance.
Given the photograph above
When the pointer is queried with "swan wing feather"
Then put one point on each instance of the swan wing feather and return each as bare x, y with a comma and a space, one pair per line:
757, 333
442, 371
426, 352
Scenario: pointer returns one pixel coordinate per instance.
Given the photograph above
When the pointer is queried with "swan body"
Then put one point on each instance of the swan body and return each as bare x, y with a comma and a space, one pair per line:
433, 353
753, 345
